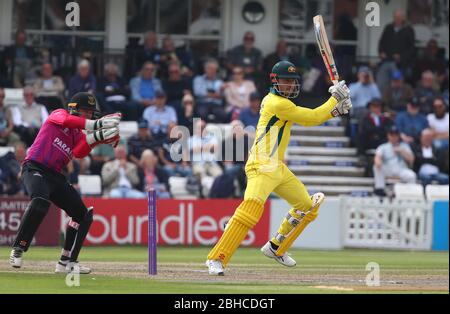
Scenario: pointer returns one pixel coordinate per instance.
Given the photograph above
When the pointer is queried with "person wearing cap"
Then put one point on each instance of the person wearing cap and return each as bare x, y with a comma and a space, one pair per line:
398, 94
393, 159
141, 141
373, 127
60, 139
250, 116
411, 122
160, 116
266, 172
363, 91
188, 112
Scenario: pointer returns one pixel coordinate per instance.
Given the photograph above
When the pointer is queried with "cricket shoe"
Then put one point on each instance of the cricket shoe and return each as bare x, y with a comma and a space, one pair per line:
68, 267
15, 258
284, 259
215, 267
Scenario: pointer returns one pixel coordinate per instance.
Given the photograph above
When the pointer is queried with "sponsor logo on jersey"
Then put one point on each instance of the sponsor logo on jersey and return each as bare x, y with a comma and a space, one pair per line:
58, 143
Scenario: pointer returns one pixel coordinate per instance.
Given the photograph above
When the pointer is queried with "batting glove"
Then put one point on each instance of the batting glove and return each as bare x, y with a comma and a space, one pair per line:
103, 136
342, 107
108, 121
340, 91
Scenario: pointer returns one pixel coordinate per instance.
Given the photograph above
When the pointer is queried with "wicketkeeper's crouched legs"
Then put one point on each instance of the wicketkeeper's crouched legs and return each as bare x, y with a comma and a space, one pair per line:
245, 218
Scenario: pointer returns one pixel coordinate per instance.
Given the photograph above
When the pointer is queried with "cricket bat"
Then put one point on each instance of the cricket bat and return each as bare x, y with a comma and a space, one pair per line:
325, 50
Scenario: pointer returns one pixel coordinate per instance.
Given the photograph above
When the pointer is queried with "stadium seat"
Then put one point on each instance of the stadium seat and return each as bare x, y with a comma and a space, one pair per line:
13, 96
178, 188
90, 184
436, 192
408, 191
6, 149
128, 129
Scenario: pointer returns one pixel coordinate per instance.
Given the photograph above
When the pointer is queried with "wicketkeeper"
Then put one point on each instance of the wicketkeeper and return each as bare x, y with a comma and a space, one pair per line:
266, 172
59, 140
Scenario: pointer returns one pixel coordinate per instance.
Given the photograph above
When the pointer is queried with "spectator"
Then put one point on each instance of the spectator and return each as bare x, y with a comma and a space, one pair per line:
363, 91
439, 124
428, 163
280, 54
432, 61
149, 52
397, 44
398, 94
28, 117
160, 116
237, 92
141, 141
176, 86
393, 159
169, 153
120, 176
19, 59
411, 122
83, 81
373, 127
250, 115
208, 92
49, 88
246, 56
188, 112
10, 166
113, 92
203, 148
144, 87
171, 54
100, 155
151, 176
7, 136
426, 92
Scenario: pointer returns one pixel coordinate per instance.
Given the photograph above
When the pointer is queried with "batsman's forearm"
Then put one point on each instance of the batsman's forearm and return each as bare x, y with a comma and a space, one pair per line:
82, 149
320, 114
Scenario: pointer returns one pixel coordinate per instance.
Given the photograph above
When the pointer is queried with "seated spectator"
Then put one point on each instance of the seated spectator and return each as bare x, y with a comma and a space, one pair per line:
151, 176
439, 124
398, 94
10, 167
363, 91
28, 117
188, 112
159, 117
83, 81
237, 92
426, 92
250, 115
144, 86
100, 154
19, 59
113, 93
176, 86
393, 159
431, 60
141, 141
149, 52
373, 127
49, 88
428, 161
203, 149
411, 122
7, 136
171, 157
280, 54
208, 92
172, 54
246, 56
120, 177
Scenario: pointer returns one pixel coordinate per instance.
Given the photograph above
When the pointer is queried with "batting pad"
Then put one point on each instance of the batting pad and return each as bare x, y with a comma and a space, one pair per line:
245, 218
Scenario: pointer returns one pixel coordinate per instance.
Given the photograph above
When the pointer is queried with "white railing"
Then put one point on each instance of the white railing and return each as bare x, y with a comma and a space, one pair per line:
384, 223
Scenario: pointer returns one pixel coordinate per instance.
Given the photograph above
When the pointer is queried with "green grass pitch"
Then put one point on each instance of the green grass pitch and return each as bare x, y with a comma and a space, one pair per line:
182, 270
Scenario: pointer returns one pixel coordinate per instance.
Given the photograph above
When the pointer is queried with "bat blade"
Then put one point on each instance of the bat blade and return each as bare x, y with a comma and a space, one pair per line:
325, 49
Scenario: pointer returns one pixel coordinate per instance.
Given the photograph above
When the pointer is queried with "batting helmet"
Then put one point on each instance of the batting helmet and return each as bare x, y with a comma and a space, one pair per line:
84, 101
285, 70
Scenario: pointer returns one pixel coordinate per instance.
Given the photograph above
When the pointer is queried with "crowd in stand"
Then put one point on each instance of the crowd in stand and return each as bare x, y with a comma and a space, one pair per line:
400, 111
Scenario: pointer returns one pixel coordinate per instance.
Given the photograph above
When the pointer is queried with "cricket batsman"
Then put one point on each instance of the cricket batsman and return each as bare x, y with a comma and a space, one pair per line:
267, 173
59, 140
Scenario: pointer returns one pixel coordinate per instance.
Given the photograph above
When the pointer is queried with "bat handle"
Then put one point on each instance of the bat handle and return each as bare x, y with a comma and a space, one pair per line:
335, 82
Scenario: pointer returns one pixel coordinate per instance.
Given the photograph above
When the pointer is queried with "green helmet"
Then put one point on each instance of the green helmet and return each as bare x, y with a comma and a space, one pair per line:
85, 101
285, 70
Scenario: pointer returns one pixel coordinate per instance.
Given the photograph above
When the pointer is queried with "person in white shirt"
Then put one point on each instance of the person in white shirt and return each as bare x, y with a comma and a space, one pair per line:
363, 91
439, 123
160, 116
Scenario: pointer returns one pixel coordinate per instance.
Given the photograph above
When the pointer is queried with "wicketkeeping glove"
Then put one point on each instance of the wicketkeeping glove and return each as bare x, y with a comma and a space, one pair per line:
340, 91
103, 136
342, 107
108, 121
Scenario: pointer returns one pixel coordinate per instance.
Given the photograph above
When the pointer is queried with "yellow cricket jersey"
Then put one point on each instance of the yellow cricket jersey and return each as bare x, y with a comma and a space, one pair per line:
277, 115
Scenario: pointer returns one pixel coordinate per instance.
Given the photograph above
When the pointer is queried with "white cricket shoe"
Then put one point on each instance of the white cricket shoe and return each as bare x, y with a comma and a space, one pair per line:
284, 259
215, 267
15, 258
69, 267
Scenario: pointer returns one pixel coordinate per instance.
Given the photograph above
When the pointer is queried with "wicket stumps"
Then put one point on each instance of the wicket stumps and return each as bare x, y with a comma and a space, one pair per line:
152, 236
